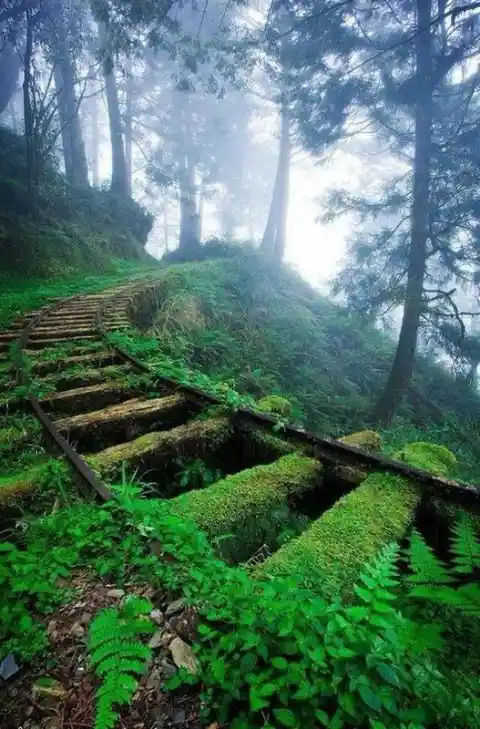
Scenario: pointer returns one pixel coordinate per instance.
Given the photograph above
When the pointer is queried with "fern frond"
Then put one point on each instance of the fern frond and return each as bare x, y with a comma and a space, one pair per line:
465, 545
120, 664
469, 599
379, 579
118, 656
426, 567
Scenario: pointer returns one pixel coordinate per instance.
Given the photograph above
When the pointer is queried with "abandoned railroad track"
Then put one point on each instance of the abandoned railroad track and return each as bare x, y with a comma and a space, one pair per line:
99, 414
271, 498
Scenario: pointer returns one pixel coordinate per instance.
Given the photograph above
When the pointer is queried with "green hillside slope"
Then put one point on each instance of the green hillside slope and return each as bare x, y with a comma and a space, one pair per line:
236, 318
61, 229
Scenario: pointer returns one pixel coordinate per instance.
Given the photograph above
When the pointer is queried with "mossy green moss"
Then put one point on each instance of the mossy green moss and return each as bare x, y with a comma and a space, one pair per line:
368, 440
249, 506
190, 439
267, 444
276, 404
434, 458
334, 549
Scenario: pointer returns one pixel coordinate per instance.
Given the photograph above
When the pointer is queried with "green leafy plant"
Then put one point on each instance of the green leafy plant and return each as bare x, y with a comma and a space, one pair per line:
195, 474
118, 655
456, 585
274, 655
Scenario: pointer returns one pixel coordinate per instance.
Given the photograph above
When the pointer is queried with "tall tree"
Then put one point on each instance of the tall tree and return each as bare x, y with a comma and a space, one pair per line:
402, 368
119, 167
275, 234
63, 43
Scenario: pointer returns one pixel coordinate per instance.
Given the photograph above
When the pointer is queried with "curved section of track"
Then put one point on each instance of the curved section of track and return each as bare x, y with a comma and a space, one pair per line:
115, 415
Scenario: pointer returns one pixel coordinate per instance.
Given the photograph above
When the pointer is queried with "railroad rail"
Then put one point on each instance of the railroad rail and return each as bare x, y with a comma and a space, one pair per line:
92, 406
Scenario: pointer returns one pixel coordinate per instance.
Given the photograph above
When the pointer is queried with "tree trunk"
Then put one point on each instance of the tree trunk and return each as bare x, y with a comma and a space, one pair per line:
119, 167
129, 127
66, 138
402, 367
76, 166
95, 143
189, 241
274, 238
10, 65
27, 108
165, 224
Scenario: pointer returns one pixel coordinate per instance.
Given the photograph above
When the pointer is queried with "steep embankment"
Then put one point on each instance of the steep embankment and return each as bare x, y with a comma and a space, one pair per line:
61, 229
236, 318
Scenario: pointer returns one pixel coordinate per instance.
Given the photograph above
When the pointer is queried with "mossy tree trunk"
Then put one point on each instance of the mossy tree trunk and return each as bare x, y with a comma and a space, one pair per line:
32, 174
402, 368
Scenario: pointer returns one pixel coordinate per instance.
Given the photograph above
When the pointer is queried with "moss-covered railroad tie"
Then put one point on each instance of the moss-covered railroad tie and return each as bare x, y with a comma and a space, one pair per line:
336, 546
248, 507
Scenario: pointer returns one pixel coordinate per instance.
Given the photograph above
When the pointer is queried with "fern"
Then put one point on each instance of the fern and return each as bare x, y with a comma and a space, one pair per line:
425, 566
118, 656
465, 545
457, 585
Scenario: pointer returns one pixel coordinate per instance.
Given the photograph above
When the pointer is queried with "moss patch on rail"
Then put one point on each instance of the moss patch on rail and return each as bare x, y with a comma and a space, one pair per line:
332, 552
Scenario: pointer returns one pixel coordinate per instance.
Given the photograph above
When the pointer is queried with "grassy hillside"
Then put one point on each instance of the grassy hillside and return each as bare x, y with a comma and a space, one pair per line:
236, 318
62, 229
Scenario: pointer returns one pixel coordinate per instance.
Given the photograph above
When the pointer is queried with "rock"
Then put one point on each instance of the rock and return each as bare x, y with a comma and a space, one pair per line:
157, 616
175, 607
167, 639
85, 619
157, 718
182, 655
77, 630
154, 678
8, 667
168, 669
116, 593
179, 716
156, 640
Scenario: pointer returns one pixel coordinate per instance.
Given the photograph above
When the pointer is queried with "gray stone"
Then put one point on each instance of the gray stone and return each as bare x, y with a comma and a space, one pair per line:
156, 640
182, 655
168, 669
157, 616
115, 593
179, 716
175, 607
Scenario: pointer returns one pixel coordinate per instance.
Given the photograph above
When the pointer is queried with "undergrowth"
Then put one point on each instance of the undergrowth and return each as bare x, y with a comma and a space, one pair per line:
270, 653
